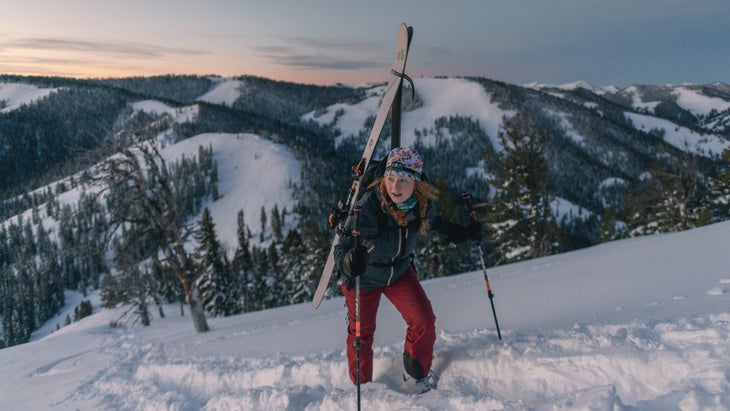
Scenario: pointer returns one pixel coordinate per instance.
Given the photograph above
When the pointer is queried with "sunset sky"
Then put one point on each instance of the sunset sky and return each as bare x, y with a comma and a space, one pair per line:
613, 42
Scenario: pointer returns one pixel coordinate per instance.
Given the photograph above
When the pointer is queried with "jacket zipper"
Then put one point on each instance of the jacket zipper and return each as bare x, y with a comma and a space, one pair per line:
402, 236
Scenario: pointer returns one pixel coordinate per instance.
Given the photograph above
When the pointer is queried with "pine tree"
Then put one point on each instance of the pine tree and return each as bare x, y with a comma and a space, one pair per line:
667, 199
641, 206
608, 229
717, 198
316, 246
50, 270
217, 288
293, 279
682, 186
522, 219
273, 296
262, 237
260, 277
242, 267
277, 224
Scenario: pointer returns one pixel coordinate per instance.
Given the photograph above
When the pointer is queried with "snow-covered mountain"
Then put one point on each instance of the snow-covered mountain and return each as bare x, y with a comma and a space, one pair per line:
639, 324
599, 133
635, 324
487, 105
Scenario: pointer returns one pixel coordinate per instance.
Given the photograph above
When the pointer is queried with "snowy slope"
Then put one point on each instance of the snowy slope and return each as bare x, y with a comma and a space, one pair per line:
253, 173
687, 97
680, 137
225, 91
572, 86
14, 95
158, 108
638, 324
698, 103
442, 97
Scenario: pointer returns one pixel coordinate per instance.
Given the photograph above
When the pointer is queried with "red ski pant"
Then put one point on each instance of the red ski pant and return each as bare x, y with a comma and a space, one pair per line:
411, 301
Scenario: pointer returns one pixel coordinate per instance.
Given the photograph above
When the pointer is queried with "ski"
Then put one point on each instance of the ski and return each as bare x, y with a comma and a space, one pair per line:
405, 33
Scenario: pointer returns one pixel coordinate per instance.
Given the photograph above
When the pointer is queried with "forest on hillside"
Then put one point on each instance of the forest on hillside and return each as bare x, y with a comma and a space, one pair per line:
618, 181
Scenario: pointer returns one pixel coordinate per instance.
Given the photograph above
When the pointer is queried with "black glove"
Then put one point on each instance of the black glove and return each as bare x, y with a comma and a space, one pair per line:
358, 260
474, 231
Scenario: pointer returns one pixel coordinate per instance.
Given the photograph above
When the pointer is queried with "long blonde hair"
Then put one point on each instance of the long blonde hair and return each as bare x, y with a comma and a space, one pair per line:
423, 192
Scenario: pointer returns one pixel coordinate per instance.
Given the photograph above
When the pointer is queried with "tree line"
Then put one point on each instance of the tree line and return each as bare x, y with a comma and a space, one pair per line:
143, 218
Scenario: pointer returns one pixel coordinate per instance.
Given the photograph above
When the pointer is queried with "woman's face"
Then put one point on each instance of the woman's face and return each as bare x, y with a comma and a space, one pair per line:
399, 189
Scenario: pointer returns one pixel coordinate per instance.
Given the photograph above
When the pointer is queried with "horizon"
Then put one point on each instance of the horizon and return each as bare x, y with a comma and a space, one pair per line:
569, 84
323, 42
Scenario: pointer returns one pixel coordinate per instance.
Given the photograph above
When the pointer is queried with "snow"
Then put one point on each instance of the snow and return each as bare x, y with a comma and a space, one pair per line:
441, 97
698, 103
350, 118
680, 137
562, 208
225, 92
567, 126
638, 324
612, 181
573, 86
14, 95
155, 107
688, 98
637, 100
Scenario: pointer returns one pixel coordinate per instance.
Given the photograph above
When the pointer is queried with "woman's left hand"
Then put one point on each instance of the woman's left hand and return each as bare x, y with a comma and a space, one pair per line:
474, 231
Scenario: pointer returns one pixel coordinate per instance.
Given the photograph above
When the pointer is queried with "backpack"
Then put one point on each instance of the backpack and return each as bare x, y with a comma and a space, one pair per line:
375, 170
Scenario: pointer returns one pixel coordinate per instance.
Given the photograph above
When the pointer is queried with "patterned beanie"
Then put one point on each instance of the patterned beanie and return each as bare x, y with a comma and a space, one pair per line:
404, 162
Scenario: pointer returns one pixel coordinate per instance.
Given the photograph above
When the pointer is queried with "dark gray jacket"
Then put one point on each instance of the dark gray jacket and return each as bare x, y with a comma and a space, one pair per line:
390, 247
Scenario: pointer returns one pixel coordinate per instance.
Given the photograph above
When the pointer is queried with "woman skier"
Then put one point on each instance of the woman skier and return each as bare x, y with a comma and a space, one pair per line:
395, 209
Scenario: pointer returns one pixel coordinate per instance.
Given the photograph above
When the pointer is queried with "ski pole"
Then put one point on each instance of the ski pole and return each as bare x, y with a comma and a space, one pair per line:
473, 214
356, 236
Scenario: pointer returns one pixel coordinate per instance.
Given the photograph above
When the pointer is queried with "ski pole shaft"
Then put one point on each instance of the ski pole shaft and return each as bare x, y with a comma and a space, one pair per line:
356, 236
473, 214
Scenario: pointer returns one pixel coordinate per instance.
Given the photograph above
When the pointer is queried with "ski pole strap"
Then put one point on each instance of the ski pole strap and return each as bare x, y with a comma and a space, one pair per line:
405, 77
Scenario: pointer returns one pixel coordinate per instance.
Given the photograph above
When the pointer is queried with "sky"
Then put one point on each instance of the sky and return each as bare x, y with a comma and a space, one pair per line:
616, 42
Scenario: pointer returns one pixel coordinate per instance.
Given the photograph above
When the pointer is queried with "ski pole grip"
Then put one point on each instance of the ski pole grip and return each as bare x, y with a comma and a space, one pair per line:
469, 206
